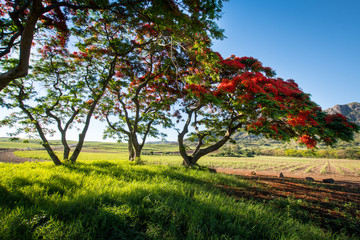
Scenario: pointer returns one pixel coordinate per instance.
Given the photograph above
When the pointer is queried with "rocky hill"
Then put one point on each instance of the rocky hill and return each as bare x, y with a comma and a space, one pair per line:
351, 111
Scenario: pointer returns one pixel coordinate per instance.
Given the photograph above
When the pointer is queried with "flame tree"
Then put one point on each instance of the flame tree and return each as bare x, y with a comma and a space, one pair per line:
135, 105
146, 85
106, 43
62, 90
20, 21
248, 97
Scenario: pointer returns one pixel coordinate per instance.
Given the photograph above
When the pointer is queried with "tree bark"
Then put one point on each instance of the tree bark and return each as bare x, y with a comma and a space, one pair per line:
27, 36
191, 160
45, 142
134, 148
66, 152
131, 151
187, 160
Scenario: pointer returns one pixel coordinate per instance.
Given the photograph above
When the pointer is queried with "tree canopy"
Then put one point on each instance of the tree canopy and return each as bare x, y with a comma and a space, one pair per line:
247, 96
140, 64
21, 20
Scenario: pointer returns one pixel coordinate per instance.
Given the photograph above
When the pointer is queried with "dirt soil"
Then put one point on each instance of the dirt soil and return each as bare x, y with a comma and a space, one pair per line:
8, 156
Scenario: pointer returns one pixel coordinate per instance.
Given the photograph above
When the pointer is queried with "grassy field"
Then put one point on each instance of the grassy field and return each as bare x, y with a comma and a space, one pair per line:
114, 199
6, 143
89, 146
339, 167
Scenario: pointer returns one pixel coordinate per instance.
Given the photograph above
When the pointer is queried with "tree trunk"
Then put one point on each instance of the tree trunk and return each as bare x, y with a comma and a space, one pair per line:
78, 147
45, 143
134, 147
181, 135
82, 135
198, 153
66, 152
131, 151
136, 154
27, 36
51, 153
188, 161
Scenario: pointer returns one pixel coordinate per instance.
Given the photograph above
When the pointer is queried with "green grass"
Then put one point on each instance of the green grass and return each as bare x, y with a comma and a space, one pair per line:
118, 200
90, 145
6, 143
116, 147
84, 156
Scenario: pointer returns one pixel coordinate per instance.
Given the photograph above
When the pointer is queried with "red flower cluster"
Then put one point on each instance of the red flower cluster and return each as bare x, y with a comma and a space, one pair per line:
227, 85
337, 117
332, 117
233, 63
4, 9
308, 141
303, 118
274, 128
242, 63
197, 89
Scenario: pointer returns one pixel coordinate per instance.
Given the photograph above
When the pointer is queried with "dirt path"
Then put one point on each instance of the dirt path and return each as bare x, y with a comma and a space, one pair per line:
9, 157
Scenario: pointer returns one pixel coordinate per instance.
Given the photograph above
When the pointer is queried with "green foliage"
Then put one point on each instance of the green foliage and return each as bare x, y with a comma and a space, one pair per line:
116, 200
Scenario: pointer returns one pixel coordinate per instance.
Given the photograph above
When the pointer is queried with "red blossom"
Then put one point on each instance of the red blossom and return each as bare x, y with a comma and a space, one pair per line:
197, 89
274, 128
308, 141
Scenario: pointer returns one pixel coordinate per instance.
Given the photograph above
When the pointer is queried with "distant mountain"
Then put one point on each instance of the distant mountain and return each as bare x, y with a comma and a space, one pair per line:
351, 111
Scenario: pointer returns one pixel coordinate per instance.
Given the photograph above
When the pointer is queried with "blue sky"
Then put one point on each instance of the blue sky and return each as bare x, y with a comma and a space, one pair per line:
314, 42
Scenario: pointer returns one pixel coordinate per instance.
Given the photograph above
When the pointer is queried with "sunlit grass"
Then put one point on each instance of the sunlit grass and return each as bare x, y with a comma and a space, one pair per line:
5, 143
118, 200
89, 145
84, 156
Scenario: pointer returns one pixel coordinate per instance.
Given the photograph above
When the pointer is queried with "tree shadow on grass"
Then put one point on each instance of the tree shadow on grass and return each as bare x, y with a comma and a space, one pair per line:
159, 214
197, 211
125, 173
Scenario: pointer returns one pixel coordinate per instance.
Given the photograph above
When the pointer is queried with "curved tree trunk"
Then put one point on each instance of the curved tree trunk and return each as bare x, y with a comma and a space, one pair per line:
45, 142
51, 153
131, 151
66, 152
191, 160
27, 36
135, 151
